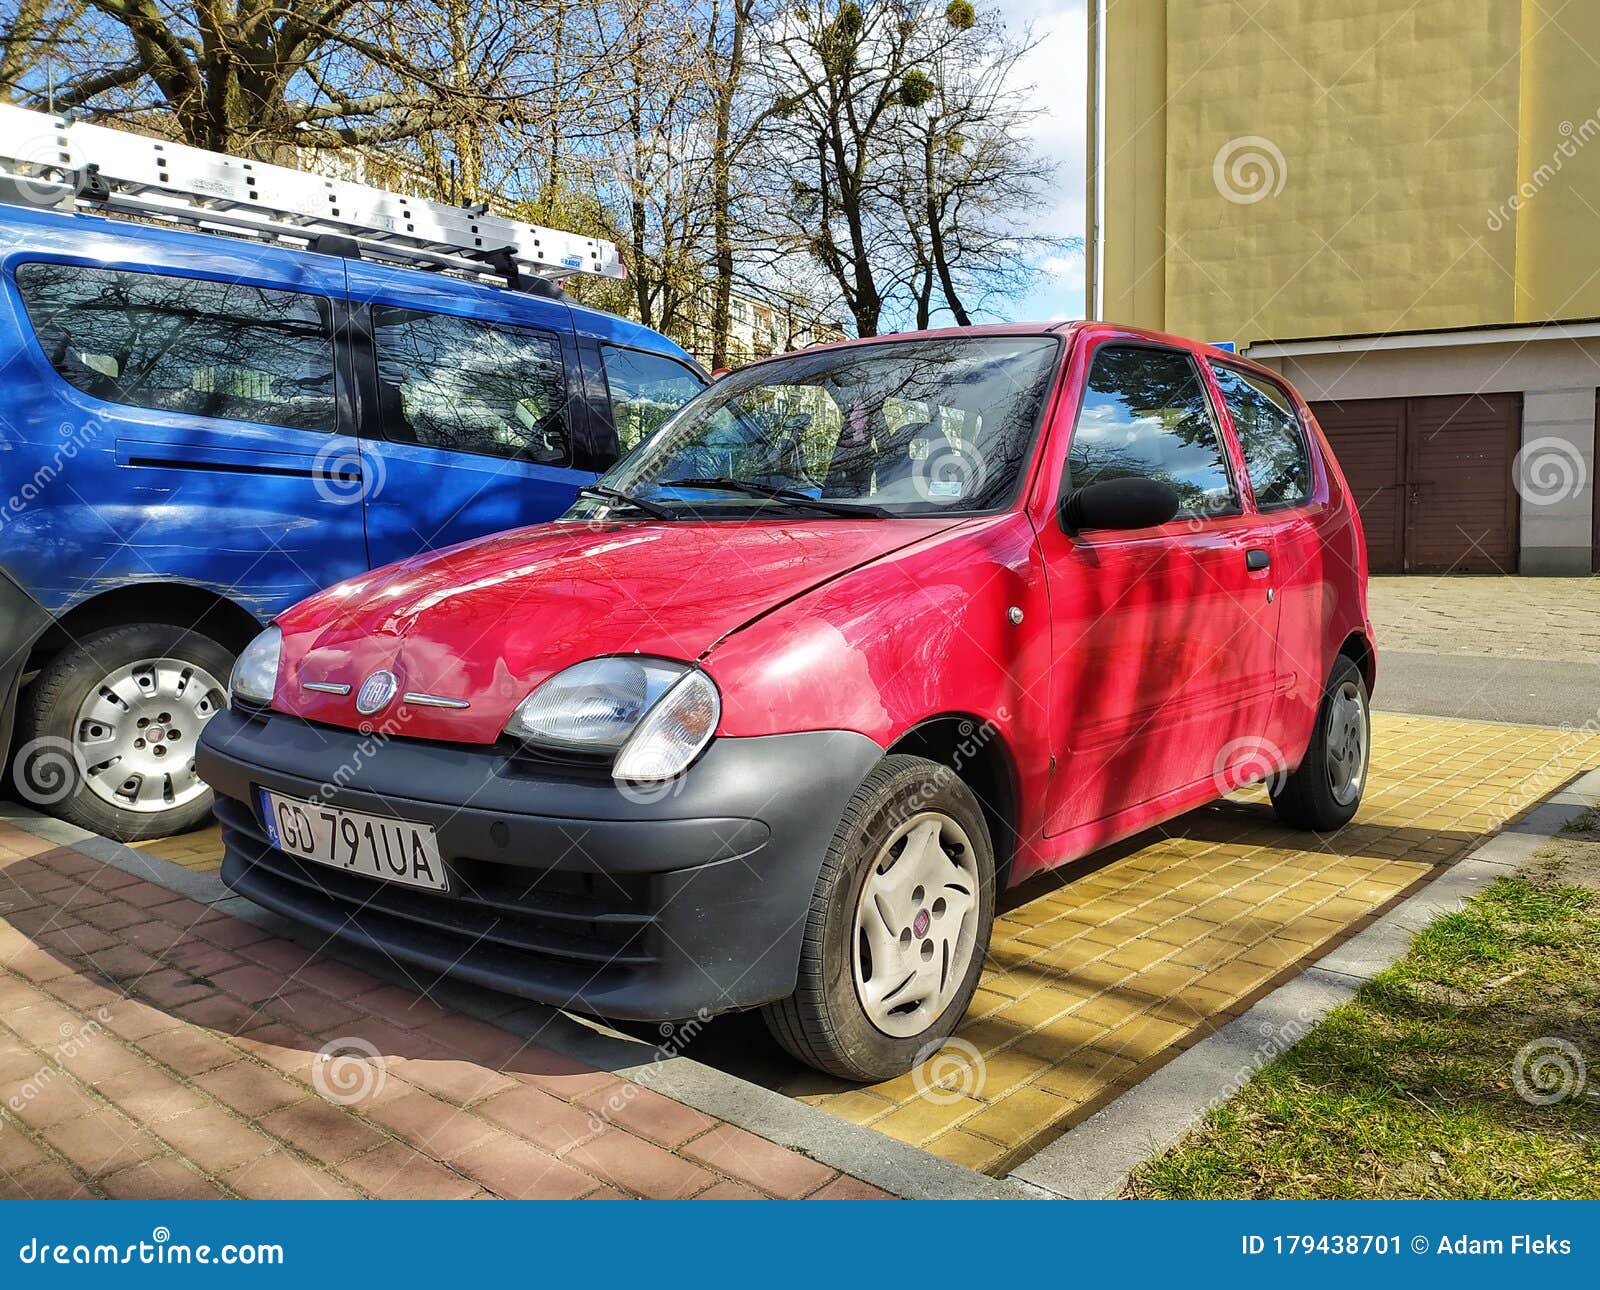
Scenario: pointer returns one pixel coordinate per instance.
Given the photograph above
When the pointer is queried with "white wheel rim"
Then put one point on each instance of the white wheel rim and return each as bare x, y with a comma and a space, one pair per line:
135, 735
1347, 743
915, 925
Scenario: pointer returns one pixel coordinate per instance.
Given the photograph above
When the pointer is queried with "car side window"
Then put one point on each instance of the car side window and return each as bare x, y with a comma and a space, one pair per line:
645, 390
1270, 435
187, 345
1145, 415
470, 386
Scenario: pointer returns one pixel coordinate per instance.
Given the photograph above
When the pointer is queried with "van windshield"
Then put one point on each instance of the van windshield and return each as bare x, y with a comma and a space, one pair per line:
921, 427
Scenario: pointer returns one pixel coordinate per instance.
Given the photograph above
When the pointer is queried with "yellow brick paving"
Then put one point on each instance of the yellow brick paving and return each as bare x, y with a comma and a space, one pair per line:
200, 850
1101, 973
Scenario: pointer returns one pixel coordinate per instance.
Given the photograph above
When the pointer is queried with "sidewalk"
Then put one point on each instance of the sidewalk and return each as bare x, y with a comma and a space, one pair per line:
152, 1047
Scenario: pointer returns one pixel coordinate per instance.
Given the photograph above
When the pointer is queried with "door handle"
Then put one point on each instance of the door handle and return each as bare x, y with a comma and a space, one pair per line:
1256, 559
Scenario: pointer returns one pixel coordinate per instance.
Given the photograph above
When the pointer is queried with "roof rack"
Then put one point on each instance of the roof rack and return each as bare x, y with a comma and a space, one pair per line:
44, 161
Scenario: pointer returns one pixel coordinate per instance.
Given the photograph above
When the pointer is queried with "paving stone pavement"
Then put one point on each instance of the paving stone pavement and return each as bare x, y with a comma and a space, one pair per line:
1102, 973
1537, 618
1097, 976
154, 1047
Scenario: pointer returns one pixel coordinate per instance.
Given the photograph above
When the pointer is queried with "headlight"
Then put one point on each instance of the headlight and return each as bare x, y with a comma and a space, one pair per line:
655, 716
255, 674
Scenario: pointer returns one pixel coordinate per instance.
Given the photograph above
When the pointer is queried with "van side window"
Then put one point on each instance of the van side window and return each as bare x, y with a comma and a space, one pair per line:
1274, 445
468, 386
645, 390
1145, 415
188, 345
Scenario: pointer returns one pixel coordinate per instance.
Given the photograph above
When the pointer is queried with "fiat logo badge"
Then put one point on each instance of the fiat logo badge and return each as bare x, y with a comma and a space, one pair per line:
375, 692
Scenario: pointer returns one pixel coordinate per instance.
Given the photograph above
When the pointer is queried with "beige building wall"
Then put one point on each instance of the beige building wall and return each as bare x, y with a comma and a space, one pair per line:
1303, 168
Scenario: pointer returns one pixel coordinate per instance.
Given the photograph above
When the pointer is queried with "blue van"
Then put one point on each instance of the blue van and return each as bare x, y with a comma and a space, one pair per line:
198, 430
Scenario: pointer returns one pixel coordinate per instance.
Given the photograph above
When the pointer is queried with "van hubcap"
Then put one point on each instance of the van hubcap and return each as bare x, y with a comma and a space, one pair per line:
135, 734
1347, 743
916, 924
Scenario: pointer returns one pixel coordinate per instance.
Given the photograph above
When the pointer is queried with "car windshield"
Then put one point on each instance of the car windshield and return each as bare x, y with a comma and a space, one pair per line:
920, 427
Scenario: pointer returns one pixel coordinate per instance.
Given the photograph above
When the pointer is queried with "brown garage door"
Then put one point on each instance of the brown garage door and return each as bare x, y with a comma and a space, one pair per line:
1432, 478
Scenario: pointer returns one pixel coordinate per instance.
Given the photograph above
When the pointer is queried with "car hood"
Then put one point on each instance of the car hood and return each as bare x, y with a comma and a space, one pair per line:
483, 623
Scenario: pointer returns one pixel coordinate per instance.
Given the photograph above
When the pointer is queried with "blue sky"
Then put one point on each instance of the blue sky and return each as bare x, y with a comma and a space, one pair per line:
1057, 70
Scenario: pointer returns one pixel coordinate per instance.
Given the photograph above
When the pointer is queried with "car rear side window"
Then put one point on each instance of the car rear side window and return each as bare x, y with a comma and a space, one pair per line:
1274, 444
189, 345
468, 386
1145, 415
645, 390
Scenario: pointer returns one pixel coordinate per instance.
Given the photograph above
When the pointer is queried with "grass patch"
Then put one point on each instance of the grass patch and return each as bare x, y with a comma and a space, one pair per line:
1409, 1091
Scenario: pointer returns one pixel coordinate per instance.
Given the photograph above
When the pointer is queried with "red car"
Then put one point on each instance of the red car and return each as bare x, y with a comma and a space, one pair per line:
858, 638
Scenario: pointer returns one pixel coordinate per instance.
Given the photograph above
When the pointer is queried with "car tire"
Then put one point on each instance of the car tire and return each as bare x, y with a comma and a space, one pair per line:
845, 1017
1324, 791
95, 710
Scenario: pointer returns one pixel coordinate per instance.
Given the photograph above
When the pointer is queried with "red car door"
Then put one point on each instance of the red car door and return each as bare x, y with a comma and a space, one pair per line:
1163, 640
1291, 496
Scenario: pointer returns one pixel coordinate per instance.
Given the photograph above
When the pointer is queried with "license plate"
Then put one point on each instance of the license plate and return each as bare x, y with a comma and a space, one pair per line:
376, 846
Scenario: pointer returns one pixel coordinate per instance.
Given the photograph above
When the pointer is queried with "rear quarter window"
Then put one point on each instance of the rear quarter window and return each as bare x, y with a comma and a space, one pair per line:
186, 345
1270, 436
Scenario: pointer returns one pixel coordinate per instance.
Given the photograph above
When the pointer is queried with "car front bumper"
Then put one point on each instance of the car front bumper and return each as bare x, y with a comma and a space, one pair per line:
563, 889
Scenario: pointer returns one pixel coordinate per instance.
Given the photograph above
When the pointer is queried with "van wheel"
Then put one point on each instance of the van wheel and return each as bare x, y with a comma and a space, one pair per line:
108, 739
898, 926
1325, 790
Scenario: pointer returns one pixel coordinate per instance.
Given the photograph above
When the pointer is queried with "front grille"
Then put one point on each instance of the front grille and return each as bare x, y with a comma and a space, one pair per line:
593, 919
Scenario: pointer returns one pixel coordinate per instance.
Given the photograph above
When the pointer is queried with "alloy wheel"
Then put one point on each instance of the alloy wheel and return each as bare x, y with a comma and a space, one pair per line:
916, 924
135, 734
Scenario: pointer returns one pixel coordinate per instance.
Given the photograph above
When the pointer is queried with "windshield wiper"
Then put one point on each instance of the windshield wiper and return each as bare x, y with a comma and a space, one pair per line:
627, 499
790, 496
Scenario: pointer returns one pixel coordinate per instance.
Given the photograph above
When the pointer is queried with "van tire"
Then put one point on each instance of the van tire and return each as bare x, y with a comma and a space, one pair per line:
48, 765
824, 1022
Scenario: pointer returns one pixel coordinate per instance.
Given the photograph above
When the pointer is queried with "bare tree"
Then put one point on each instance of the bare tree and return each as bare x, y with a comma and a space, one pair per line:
840, 74
969, 175
252, 76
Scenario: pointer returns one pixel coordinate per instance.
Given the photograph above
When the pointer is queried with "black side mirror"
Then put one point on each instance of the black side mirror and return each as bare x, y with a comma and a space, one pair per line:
1131, 503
